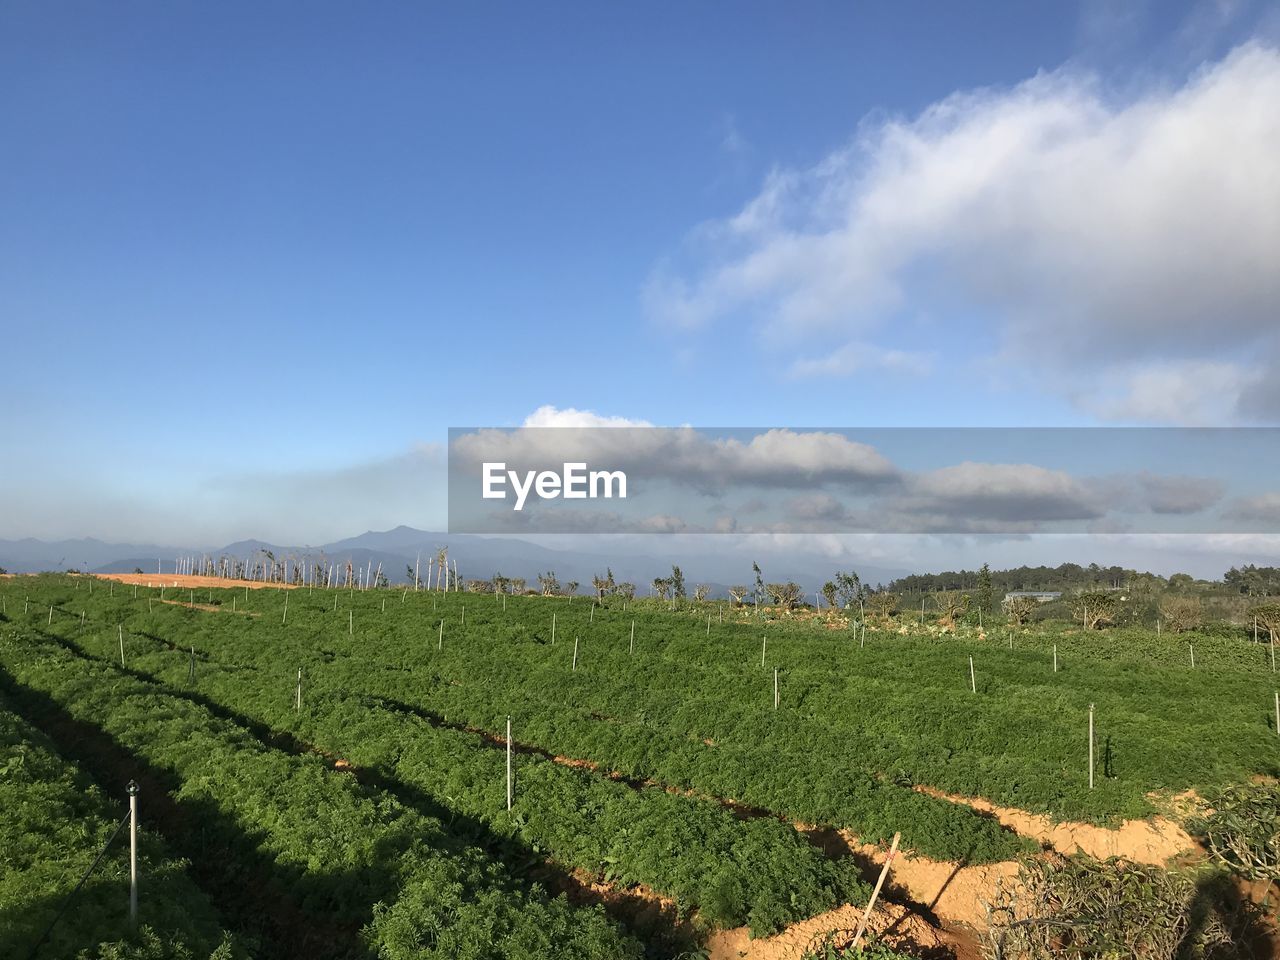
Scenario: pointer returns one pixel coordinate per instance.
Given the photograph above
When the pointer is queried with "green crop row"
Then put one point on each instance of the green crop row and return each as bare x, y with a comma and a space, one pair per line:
328, 850
733, 871
53, 823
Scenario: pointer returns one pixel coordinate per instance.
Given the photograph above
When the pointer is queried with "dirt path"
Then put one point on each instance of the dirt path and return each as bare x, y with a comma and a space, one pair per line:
188, 581
1154, 841
893, 925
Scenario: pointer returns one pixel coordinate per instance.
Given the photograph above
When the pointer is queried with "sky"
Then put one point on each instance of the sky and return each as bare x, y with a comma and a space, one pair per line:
256, 259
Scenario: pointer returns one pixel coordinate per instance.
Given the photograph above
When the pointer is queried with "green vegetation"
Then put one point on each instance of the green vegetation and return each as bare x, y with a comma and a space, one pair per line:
656, 765
1098, 910
55, 821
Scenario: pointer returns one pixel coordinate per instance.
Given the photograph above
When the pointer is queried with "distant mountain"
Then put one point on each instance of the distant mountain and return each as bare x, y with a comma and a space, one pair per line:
477, 558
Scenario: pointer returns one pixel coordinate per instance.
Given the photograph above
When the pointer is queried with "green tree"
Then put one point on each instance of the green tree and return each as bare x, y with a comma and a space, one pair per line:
848, 587
986, 595
677, 583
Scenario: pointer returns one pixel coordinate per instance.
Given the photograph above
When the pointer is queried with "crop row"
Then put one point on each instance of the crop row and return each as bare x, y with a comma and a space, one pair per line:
54, 823
734, 871
345, 857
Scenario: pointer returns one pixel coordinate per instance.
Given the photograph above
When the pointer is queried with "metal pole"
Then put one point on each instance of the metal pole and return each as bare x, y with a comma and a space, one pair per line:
1091, 746
132, 789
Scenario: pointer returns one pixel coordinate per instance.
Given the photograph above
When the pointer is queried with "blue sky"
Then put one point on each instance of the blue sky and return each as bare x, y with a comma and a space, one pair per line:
249, 245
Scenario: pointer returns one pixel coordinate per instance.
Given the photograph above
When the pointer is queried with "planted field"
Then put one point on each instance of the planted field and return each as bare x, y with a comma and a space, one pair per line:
659, 792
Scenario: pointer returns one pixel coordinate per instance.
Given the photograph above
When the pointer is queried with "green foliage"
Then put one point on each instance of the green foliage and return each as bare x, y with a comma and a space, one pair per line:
54, 823
1242, 831
1099, 910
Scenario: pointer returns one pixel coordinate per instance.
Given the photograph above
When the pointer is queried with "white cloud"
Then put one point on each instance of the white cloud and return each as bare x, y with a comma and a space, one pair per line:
550, 416
1187, 392
1105, 236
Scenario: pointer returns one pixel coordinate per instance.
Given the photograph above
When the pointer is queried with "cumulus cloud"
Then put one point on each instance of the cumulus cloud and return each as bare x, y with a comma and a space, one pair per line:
1104, 234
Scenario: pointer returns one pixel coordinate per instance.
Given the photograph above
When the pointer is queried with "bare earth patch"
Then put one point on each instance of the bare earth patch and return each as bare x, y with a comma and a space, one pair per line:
185, 580
1154, 841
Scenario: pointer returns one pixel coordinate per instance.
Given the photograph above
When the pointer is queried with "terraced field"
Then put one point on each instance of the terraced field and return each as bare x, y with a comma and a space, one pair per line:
660, 802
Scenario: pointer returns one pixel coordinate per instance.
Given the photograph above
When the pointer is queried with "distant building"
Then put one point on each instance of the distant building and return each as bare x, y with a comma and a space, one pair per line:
1040, 596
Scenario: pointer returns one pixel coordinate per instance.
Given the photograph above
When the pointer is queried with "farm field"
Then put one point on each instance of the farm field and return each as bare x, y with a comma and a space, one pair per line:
661, 803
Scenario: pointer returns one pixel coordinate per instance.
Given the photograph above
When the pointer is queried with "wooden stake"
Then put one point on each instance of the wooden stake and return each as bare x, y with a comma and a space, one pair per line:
299, 694
508, 764
351, 622
632, 647
866, 914
1055, 658
764, 644
51, 615
120, 632
973, 682
440, 642
1278, 713
708, 625
575, 654
285, 616
553, 629
1192, 647
775, 688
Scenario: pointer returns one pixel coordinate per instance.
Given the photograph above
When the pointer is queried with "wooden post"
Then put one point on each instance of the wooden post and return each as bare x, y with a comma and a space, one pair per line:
508, 764
775, 688
132, 790
1091, 746
866, 914
575, 654
973, 682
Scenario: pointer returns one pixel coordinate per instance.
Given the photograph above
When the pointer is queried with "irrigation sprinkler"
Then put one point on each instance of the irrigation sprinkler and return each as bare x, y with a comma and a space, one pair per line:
973, 680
